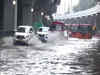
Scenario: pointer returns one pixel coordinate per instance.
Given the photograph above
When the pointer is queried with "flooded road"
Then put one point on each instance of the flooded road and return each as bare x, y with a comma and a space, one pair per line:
57, 57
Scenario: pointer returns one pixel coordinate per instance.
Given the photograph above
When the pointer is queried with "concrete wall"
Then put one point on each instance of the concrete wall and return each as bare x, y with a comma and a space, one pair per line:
1, 15
27, 14
8, 19
98, 21
24, 15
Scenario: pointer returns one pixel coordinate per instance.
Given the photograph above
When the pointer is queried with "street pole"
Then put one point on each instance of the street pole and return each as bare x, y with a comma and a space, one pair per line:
71, 6
32, 10
41, 19
15, 14
68, 7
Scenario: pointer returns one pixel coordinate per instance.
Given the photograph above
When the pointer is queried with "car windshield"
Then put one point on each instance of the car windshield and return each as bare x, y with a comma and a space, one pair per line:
74, 28
21, 29
81, 28
85, 28
44, 29
40, 30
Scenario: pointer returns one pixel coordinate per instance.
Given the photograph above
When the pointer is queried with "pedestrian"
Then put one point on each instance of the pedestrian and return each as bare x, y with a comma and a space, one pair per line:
66, 34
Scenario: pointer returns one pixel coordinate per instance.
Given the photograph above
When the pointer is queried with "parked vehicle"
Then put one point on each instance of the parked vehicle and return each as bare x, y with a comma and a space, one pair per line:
43, 33
23, 34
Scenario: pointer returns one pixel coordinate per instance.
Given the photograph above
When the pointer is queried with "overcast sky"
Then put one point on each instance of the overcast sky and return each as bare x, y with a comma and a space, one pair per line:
63, 7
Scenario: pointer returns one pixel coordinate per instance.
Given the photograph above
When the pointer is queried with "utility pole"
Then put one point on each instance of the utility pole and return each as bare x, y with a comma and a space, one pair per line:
70, 6
15, 14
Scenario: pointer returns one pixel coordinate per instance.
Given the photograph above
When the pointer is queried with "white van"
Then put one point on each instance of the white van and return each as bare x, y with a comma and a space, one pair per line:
43, 33
23, 34
43, 30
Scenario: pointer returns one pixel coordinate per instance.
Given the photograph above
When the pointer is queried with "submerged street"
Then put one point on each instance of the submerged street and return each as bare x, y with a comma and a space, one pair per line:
58, 56
50, 30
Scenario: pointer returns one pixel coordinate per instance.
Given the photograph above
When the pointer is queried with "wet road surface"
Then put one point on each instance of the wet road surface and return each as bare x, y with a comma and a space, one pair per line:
57, 57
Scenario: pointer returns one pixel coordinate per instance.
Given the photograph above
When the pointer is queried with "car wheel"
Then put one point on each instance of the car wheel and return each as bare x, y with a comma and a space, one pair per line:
44, 40
14, 42
27, 43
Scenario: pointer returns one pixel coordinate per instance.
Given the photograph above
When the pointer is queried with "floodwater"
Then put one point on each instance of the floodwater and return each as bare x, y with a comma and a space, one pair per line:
56, 57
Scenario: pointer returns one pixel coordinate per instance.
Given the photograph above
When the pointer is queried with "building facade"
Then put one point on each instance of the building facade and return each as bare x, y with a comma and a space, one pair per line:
14, 13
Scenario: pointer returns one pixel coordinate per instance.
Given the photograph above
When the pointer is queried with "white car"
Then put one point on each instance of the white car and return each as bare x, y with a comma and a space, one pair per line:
43, 33
43, 30
23, 34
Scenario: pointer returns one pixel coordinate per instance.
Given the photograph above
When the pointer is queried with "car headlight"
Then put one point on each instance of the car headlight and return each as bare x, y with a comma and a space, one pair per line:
27, 36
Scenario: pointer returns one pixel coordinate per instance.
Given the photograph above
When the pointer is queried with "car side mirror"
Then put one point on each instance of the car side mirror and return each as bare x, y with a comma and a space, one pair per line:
15, 31
30, 32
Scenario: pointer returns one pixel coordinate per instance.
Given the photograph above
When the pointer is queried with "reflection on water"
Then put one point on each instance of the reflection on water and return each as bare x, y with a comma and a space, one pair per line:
95, 55
91, 57
82, 62
69, 58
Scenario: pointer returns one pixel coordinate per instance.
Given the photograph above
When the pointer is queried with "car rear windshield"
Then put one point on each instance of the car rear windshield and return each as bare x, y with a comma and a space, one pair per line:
21, 29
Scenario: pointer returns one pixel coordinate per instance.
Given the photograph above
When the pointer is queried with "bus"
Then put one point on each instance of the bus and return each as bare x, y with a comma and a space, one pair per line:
82, 31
